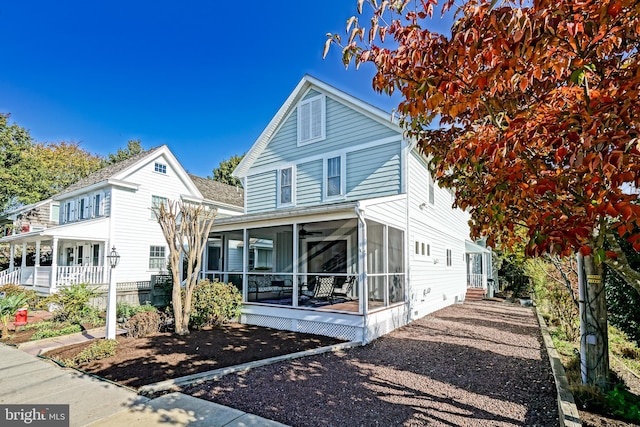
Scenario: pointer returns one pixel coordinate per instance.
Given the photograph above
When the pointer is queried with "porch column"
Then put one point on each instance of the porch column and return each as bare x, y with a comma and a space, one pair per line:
36, 264
296, 263
12, 253
53, 279
23, 263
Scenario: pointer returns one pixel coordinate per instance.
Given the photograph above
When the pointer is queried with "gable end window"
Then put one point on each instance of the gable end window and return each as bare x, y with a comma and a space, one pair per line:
157, 260
334, 177
286, 186
311, 120
160, 168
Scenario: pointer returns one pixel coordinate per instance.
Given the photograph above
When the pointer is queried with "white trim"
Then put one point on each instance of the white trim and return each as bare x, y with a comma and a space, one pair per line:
323, 119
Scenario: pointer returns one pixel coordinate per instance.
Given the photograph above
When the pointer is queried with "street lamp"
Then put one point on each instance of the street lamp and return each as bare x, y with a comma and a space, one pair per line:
113, 258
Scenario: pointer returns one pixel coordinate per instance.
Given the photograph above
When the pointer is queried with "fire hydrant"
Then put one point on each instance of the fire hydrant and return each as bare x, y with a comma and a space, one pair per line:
21, 317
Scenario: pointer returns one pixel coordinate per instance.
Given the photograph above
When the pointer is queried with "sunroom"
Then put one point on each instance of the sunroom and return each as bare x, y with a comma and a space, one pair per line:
328, 270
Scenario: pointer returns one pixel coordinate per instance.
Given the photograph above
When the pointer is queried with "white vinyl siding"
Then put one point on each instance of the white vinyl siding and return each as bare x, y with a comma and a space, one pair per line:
311, 120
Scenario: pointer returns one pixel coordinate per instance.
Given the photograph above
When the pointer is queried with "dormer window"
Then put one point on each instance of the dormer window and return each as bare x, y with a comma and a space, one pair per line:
160, 168
311, 120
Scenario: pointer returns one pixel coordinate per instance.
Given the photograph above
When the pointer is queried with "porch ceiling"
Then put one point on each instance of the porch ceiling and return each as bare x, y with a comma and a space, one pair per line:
473, 248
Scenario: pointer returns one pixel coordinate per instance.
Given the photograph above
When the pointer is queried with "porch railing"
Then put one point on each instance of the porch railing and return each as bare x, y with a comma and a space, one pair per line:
476, 281
72, 275
7, 277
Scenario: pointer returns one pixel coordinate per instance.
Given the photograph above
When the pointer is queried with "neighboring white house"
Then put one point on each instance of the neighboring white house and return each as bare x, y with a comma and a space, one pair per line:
344, 231
111, 207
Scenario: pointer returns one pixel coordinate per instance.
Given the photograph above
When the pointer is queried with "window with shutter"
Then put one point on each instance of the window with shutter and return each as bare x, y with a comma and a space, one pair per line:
311, 120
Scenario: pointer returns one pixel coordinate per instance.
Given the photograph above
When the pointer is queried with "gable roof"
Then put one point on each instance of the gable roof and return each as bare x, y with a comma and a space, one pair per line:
219, 192
108, 171
117, 172
298, 93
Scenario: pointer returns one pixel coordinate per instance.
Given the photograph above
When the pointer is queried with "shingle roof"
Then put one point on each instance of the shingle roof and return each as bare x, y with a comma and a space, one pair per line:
218, 192
107, 171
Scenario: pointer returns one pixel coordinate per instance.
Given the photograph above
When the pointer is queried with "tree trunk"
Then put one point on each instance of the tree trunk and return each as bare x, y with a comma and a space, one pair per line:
594, 342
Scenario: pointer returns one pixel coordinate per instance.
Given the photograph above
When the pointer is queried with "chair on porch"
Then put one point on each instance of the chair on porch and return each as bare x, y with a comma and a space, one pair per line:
323, 290
344, 290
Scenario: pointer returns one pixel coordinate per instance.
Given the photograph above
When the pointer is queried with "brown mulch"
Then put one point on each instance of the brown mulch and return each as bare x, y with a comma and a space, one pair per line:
476, 364
162, 356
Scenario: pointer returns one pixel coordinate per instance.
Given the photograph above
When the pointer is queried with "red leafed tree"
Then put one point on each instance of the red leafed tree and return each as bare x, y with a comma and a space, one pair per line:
538, 107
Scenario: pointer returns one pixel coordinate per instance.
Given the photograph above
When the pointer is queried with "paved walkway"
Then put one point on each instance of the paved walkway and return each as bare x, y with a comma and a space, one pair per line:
27, 379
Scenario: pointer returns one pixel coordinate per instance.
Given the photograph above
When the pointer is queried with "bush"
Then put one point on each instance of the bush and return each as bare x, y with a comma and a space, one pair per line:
32, 296
623, 403
144, 324
126, 311
100, 349
214, 303
50, 332
72, 304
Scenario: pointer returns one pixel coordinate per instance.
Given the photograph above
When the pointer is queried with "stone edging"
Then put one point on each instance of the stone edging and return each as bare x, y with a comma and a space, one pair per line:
569, 415
173, 384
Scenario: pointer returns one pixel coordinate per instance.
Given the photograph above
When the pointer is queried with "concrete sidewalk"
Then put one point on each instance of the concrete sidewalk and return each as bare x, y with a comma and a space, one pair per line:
27, 379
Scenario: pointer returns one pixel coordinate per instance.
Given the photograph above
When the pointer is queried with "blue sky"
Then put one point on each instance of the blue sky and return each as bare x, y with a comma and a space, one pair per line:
203, 77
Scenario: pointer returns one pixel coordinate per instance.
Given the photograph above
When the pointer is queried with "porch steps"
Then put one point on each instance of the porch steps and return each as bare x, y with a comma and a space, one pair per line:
474, 294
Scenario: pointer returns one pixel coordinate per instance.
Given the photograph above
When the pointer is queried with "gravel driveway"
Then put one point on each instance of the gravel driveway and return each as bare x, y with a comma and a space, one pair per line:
475, 364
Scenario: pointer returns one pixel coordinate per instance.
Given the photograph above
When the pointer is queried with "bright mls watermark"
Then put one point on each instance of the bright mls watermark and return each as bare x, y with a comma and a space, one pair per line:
34, 415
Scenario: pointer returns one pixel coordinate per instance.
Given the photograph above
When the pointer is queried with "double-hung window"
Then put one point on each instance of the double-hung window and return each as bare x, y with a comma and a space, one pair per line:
286, 186
157, 260
97, 200
311, 120
449, 258
156, 202
334, 176
432, 193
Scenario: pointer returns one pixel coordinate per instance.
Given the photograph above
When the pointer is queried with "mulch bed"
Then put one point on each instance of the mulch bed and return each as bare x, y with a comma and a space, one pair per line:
141, 361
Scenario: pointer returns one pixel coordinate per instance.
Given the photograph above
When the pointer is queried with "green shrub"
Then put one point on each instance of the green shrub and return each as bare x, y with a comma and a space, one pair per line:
100, 349
72, 304
143, 324
623, 403
11, 289
125, 310
214, 303
51, 332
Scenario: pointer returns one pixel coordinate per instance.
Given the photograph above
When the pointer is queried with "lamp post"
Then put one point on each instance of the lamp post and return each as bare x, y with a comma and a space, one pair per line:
113, 258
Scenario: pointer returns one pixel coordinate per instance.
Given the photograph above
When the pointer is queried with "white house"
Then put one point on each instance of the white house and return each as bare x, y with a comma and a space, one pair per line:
344, 233
111, 207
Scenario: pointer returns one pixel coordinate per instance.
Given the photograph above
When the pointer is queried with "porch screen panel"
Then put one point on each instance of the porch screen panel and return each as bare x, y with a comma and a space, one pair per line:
270, 265
376, 263
396, 265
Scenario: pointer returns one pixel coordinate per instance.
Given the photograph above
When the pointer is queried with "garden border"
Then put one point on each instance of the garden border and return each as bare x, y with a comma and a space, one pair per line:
173, 384
567, 409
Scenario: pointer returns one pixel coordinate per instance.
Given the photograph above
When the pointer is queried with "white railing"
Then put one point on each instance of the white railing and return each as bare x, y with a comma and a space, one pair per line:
7, 277
477, 281
73, 275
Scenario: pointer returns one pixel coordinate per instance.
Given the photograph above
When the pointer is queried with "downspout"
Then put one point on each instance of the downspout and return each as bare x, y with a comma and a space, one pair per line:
582, 291
362, 276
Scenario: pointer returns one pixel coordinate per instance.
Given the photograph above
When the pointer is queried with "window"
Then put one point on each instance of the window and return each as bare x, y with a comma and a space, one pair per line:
334, 179
432, 194
449, 258
311, 120
156, 202
286, 186
157, 259
160, 168
428, 249
96, 205
417, 248
67, 212
55, 212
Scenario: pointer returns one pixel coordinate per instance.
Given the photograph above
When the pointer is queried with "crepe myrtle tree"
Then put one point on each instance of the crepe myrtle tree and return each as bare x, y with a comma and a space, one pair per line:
185, 226
538, 109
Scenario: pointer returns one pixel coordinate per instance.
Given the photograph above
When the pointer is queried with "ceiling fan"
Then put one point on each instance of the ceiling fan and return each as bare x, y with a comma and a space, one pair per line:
304, 233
